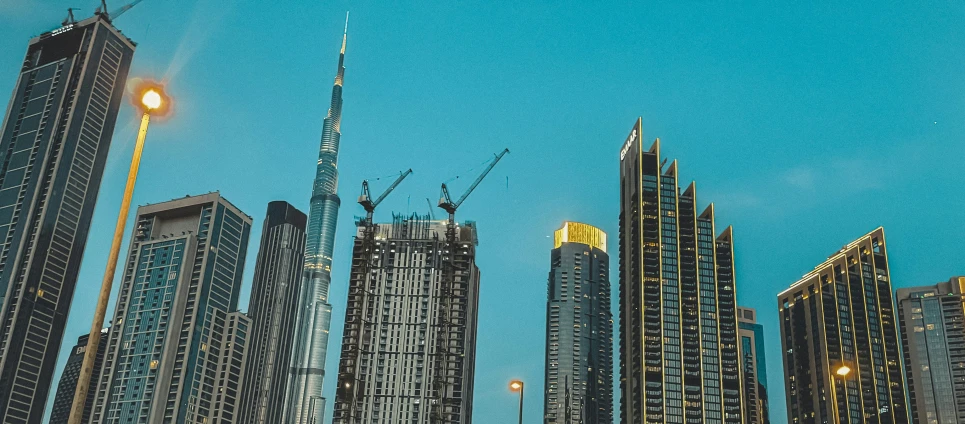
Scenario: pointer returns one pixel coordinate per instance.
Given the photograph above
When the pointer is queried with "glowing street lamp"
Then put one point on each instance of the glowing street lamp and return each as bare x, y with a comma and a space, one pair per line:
842, 371
152, 102
517, 386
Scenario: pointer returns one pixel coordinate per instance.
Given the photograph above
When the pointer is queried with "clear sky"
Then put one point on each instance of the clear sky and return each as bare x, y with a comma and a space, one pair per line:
808, 125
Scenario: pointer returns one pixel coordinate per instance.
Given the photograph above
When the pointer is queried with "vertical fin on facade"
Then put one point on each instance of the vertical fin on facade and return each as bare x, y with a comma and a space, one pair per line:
708, 213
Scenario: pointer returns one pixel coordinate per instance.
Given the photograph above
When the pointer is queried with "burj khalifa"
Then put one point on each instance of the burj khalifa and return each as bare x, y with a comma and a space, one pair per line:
305, 402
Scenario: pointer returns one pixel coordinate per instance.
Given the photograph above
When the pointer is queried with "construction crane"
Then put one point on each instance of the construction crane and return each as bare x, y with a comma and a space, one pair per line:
360, 285
452, 307
446, 203
102, 10
366, 198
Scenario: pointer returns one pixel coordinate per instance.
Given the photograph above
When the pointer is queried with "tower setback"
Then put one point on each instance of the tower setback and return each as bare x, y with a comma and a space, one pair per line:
305, 402
679, 360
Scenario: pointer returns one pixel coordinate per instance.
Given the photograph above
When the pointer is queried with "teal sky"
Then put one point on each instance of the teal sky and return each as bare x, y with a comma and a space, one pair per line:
808, 126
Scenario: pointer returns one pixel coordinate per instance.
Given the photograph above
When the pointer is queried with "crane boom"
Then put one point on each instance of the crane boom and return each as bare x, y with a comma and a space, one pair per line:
366, 199
446, 202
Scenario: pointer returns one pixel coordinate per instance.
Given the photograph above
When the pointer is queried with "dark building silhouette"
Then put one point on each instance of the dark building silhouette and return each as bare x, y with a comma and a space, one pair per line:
68, 381
579, 329
53, 146
754, 367
679, 359
842, 360
170, 356
932, 322
273, 309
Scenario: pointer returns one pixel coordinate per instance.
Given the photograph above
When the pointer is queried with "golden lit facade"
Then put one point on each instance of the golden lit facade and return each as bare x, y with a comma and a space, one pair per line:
841, 352
679, 356
576, 232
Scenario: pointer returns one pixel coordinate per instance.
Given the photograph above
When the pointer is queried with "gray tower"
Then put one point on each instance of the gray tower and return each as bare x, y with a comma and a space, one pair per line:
401, 277
175, 316
306, 404
273, 309
679, 360
53, 146
579, 329
932, 322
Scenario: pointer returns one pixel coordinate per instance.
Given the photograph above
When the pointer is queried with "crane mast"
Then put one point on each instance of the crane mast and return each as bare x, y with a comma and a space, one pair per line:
448, 354
359, 288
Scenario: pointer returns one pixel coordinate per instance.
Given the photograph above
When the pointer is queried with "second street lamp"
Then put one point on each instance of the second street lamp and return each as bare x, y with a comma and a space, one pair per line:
152, 102
517, 386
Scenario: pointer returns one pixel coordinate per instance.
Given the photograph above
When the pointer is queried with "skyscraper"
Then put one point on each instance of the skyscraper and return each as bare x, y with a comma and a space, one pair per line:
68, 380
306, 404
53, 146
389, 348
176, 315
579, 329
932, 322
273, 309
840, 344
754, 367
679, 360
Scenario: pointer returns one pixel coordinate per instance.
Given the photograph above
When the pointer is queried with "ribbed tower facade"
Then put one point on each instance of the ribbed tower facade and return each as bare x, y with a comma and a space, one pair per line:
306, 404
842, 359
679, 360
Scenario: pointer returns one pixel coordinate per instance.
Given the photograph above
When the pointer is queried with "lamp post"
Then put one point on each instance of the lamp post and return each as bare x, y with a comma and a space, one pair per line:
517, 386
843, 371
152, 102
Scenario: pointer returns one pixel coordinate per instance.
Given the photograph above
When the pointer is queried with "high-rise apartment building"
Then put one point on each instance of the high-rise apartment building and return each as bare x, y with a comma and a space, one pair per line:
175, 319
305, 402
273, 309
754, 367
932, 321
230, 371
841, 353
679, 360
53, 146
579, 329
390, 350
68, 380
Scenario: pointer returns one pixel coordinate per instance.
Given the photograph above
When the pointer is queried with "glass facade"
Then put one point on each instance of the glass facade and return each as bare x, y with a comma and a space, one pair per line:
841, 353
53, 146
305, 402
174, 316
932, 322
579, 329
273, 310
68, 381
754, 367
679, 360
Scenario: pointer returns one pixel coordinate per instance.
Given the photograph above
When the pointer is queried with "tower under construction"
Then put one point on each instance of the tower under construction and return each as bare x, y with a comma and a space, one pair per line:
394, 322
305, 402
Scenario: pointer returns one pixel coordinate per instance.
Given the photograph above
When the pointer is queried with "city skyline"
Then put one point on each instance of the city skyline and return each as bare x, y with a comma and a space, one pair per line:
761, 169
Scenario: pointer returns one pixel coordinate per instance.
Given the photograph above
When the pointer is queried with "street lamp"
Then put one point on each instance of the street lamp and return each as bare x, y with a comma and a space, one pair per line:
517, 386
842, 371
151, 101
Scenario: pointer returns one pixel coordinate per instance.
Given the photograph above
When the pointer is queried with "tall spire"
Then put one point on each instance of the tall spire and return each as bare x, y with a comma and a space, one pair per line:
341, 56
305, 401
